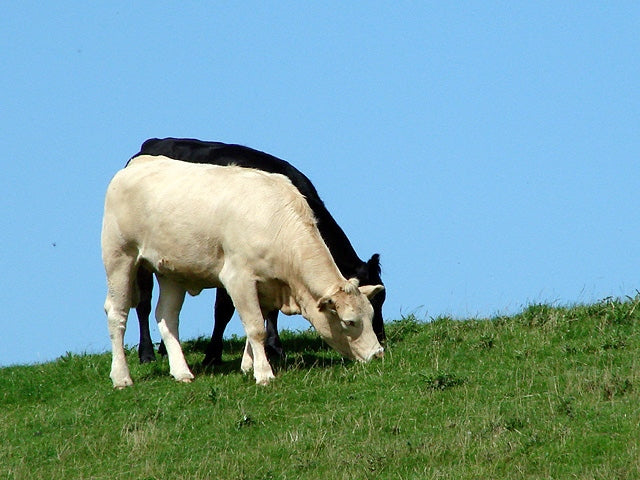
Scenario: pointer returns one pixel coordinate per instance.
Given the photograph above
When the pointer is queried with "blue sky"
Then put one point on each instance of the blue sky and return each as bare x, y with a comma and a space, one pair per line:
487, 150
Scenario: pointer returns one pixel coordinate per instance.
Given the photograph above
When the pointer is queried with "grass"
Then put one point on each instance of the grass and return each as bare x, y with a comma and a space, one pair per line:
552, 392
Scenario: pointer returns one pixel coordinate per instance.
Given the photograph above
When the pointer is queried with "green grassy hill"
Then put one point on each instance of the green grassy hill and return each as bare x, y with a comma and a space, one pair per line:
548, 393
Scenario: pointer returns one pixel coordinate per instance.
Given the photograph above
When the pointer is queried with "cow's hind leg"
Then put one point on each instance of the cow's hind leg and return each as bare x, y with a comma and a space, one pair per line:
120, 270
167, 314
245, 299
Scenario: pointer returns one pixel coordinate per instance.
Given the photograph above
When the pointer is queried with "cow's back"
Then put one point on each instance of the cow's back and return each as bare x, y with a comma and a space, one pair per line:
218, 153
186, 219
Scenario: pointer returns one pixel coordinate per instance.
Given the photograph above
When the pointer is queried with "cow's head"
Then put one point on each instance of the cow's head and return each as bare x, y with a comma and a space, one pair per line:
368, 273
345, 321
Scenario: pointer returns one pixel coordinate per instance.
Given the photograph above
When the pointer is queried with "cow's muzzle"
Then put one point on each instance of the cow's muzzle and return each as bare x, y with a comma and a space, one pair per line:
379, 353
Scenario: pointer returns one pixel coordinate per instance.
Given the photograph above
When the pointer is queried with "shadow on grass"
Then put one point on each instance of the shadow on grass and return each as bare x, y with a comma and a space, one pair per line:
303, 351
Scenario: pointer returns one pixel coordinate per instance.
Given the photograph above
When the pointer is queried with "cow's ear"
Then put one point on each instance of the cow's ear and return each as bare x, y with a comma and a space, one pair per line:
371, 290
327, 303
374, 265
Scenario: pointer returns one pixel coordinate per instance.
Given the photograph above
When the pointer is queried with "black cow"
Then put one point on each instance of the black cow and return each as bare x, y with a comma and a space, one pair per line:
215, 153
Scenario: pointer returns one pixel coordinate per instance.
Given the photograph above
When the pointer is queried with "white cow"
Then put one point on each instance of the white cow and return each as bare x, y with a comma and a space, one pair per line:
202, 226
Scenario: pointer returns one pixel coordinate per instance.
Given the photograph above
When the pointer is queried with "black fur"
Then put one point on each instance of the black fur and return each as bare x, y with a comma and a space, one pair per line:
348, 262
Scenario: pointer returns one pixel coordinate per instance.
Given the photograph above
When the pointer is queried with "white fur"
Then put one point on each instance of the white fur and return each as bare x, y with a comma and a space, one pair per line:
202, 226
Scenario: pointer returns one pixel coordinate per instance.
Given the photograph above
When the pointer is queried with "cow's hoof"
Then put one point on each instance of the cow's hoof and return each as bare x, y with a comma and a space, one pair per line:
209, 362
186, 378
264, 380
147, 358
121, 385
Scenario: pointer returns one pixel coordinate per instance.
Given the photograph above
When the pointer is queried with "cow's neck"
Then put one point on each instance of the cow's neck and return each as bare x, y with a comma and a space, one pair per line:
316, 275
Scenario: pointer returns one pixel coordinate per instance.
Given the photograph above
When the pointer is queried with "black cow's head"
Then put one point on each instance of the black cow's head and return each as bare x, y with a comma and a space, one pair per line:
368, 273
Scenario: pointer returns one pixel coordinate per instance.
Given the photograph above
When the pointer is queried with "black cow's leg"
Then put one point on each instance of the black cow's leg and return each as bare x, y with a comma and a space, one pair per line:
223, 312
273, 344
143, 309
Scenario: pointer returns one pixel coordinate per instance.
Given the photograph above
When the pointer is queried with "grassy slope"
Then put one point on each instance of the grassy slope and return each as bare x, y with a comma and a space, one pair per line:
549, 393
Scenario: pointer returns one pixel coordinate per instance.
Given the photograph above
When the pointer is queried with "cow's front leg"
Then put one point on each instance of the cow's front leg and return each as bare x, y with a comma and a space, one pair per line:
247, 358
245, 298
223, 311
145, 286
167, 314
273, 344
255, 353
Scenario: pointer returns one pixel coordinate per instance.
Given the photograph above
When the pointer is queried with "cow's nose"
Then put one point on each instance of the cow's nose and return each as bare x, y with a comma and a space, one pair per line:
379, 353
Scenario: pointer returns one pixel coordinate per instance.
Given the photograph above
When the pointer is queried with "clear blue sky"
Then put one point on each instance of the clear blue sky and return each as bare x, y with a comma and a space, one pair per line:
489, 151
